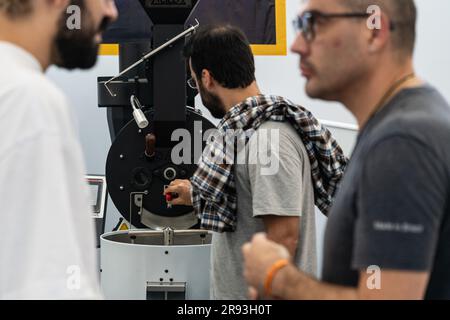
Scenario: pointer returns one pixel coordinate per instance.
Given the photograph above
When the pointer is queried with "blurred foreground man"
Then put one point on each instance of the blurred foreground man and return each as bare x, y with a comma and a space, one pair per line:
47, 247
389, 227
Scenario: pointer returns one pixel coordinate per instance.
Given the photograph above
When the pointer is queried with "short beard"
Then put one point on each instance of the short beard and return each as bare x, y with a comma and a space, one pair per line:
76, 49
212, 102
76, 52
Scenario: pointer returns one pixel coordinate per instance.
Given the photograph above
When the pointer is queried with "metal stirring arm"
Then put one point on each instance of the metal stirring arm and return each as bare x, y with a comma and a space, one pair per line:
152, 53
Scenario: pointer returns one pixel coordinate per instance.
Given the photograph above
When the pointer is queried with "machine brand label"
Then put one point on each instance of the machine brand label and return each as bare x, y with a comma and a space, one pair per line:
169, 3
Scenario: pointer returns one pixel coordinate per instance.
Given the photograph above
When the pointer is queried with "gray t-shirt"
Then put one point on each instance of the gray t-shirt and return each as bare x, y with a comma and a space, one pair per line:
392, 210
281, 187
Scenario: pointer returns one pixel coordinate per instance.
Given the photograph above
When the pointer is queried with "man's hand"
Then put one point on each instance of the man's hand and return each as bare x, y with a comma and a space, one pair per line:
183, 189
292, 284
259, 257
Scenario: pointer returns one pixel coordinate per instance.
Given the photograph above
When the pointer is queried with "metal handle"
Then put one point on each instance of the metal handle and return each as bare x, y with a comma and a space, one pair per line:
150, 54
138, 114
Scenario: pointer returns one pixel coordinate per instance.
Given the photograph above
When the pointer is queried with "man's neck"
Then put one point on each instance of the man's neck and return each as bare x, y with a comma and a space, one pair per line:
232, 97
35, 42
364, 98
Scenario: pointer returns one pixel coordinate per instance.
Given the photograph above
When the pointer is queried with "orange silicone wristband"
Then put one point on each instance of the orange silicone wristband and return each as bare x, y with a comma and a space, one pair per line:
277, 266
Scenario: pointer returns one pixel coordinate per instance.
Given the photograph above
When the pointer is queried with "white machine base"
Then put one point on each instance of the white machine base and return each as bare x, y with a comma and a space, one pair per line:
154, 265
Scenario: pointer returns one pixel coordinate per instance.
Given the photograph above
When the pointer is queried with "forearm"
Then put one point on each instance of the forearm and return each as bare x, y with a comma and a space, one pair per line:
289, 242
284, 231
292, 284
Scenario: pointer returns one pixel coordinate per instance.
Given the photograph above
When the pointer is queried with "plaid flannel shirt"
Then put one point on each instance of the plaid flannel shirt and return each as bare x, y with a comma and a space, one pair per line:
213, 185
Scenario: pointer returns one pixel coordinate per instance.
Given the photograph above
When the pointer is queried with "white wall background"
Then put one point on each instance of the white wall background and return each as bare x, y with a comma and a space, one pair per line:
276, 75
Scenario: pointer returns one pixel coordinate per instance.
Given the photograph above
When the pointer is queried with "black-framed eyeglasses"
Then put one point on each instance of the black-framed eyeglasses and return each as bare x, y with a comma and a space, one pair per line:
192, 84
306, 22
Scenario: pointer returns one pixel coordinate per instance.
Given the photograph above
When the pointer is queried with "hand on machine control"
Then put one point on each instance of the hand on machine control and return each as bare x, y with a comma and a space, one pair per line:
178, 193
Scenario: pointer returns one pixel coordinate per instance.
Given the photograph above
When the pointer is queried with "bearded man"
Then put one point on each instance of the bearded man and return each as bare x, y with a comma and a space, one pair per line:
47, 247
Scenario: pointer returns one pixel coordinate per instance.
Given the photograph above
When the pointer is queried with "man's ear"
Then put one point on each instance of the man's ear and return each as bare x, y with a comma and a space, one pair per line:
207, 79
59, 4
379, 37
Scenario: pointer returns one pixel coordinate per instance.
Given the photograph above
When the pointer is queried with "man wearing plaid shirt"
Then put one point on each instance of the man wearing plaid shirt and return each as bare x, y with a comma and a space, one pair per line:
289, 162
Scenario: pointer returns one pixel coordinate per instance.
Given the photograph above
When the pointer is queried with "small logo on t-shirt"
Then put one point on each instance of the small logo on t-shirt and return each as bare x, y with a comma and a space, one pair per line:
403, 227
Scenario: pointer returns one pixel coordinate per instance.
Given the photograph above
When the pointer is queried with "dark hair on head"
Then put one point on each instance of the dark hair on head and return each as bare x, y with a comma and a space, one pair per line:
225, 52
22, 8
16, 8
403, 15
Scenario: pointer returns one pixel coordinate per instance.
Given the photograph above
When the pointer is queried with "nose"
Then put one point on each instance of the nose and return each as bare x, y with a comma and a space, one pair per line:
300, 45
111, 10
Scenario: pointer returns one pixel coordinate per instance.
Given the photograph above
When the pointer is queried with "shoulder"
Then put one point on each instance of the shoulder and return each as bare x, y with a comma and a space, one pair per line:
281, 138
405, 160
421, 116
31, 101
284, 129
36, 93
39, 88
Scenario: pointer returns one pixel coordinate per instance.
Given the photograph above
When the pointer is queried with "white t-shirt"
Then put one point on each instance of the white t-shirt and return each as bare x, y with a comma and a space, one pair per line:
47, 238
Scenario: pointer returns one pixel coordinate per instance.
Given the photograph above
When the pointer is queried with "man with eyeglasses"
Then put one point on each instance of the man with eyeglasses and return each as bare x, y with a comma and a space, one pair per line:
285, 162
389, 227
